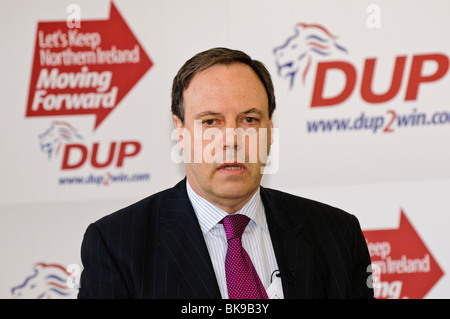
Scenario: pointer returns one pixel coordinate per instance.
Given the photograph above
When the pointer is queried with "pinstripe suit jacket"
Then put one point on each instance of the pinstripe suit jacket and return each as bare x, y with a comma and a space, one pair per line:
155, 249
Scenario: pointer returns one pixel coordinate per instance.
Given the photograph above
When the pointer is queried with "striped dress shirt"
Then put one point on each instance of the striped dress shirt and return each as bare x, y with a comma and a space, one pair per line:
255, 239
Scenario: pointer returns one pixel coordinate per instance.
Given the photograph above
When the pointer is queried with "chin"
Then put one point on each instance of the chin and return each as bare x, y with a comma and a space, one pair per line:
235, 190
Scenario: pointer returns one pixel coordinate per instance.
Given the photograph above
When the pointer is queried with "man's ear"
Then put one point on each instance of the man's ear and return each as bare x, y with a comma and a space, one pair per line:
271, 132
179, 127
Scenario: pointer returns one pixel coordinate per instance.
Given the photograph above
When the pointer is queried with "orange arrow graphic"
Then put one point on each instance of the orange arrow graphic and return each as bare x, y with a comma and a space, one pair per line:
84, 71
402, 265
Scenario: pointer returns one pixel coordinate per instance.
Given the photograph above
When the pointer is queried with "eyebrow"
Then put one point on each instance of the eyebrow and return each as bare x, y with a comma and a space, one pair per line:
206, 113
211, 113
253, 110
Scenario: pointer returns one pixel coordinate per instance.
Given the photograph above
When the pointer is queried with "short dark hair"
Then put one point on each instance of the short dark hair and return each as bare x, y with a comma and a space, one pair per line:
206, 59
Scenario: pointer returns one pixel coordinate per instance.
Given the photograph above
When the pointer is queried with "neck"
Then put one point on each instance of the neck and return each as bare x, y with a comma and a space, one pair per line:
230, 205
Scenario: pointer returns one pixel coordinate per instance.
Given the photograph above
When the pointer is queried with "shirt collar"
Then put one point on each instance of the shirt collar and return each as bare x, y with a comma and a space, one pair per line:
210, 215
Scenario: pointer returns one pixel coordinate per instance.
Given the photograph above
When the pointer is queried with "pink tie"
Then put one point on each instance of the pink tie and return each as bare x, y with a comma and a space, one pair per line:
242, 280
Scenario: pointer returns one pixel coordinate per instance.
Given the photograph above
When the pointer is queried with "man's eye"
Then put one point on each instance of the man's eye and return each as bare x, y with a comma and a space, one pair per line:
250, 119
209, 122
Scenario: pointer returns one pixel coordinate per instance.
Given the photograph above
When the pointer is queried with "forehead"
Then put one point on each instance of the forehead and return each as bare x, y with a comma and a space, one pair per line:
225, 87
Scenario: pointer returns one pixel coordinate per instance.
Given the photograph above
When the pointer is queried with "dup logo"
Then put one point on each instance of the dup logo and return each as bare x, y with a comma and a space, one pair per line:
312, 45
63, 140
296, 55
47, 281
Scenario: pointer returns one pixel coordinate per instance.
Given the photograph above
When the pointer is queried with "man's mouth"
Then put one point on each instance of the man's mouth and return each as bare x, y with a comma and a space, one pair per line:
231, 167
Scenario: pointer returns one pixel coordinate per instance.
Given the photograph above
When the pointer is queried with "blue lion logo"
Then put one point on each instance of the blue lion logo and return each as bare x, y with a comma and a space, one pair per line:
47, 281
54, 137
296, 54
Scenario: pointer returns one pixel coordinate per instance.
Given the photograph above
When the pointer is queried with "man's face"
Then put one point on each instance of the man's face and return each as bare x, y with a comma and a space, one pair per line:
226, 98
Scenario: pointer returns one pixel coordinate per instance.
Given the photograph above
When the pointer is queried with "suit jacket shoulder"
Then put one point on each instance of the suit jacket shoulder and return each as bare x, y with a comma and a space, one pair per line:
309, 212
294, 203
145, 249
131, 220
325, 242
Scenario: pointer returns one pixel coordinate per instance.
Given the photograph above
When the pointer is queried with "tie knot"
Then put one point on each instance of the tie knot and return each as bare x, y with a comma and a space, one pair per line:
235, 225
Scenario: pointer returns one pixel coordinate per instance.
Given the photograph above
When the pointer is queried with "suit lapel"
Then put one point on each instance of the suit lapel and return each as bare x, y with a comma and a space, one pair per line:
182, 241
292, 247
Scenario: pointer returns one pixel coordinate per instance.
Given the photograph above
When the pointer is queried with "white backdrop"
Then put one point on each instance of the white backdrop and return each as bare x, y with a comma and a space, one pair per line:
373, 158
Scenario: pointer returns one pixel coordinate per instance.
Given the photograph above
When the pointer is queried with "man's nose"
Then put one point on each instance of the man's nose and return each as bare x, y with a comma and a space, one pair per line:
231, 140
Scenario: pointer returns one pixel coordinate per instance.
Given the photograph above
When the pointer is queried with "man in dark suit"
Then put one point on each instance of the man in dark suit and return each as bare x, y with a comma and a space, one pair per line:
173, 244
